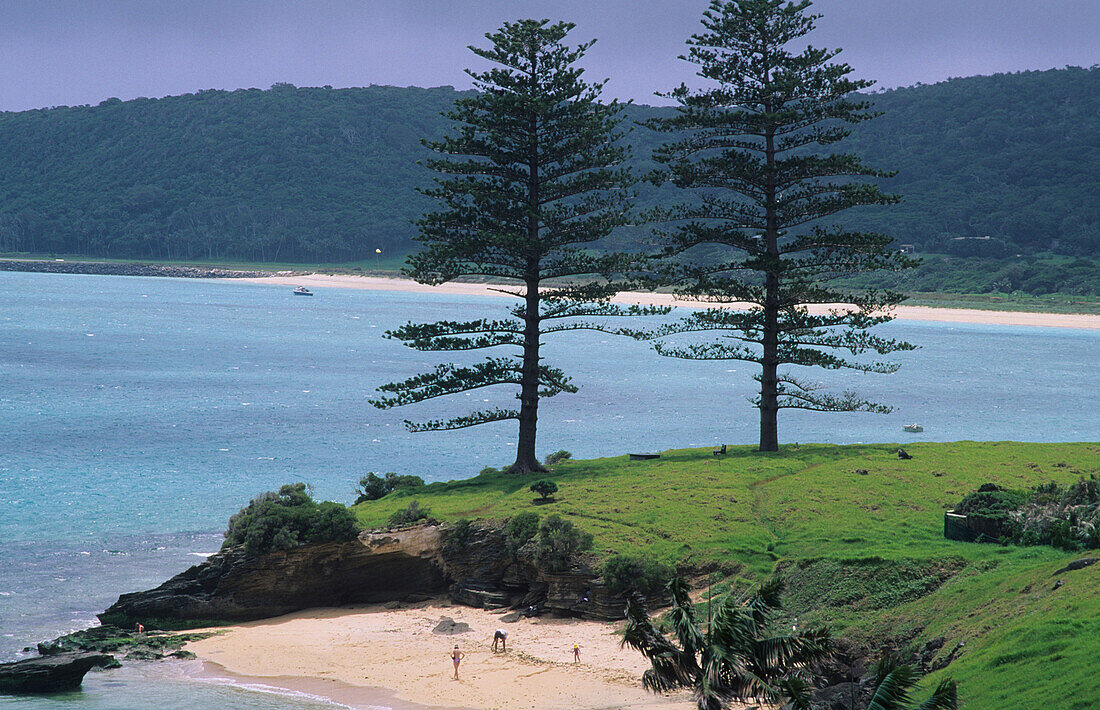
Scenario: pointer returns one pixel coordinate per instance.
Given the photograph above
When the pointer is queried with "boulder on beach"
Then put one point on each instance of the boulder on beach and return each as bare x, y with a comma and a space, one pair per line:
449, 627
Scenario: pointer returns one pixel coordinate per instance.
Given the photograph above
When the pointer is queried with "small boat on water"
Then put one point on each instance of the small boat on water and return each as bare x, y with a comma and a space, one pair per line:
913, 428
302, 291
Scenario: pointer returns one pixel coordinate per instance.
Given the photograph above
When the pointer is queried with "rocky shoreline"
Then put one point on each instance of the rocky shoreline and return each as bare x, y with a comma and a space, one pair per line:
410, 564
98, 268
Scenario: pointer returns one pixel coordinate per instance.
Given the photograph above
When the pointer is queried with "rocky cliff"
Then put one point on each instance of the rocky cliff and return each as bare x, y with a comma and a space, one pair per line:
402, 565
232, 586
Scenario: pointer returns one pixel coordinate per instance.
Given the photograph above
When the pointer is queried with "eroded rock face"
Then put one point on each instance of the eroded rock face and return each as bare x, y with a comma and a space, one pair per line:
232, 586
50, 674
486, 575
403, 565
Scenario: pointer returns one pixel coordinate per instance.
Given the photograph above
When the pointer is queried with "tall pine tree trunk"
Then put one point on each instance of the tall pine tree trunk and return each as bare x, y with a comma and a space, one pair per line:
526, 460
529, 372
769, 360
769, 382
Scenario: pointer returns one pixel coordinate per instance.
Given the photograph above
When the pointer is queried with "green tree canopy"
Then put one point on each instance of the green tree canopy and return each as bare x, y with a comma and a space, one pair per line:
532, 176
288, 519
749, 151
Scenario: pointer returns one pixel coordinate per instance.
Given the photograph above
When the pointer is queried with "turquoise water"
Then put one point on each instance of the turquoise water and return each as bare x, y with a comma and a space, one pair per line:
137, 414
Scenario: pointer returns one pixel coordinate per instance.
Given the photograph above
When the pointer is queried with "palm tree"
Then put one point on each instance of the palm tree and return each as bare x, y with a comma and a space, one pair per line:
735, 657
894, 680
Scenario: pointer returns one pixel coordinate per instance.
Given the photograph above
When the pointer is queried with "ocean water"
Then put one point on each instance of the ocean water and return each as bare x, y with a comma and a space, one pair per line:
137, 414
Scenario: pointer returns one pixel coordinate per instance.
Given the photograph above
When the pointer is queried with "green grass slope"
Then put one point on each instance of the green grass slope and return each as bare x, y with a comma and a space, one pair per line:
859, 535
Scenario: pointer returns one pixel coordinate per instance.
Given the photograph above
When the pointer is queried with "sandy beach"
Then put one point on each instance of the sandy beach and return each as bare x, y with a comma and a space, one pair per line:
920, 313
396, 650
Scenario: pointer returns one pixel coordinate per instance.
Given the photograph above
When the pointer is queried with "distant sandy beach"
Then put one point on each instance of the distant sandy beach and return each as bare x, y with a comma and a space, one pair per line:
921, 313
372, 648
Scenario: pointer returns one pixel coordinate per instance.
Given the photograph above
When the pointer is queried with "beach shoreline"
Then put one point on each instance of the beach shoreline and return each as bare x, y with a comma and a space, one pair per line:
902, 312
390, 655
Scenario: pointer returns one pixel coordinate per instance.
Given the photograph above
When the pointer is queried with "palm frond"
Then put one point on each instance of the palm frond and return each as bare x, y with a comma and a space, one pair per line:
944, 697
893, 681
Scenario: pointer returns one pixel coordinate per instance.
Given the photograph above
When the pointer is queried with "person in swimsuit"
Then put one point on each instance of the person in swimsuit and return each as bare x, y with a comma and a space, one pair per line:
500, 636
457, 657
576, 653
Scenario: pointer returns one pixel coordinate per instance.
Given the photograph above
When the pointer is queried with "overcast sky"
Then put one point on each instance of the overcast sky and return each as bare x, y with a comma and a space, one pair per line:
58, 52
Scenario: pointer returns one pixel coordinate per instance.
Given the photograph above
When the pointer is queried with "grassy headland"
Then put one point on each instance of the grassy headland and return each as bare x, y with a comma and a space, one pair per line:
859, 535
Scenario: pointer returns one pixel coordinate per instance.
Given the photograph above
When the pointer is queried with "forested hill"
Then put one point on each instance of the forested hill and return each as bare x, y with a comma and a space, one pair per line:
286, 174
318, 174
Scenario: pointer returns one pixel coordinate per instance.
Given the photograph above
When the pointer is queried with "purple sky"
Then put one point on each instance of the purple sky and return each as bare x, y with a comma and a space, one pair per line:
56, 52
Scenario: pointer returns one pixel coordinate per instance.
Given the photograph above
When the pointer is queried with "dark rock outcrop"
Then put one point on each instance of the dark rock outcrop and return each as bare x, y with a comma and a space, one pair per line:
233, 586
403, 565
131, 645
485, 574
1081, 563
50, 674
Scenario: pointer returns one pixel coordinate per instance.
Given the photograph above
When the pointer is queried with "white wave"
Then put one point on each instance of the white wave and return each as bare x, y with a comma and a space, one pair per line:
287, 693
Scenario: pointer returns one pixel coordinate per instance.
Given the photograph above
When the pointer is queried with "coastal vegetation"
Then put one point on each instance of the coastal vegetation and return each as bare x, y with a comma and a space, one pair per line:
858, 536
287, 519
372, 486
532, 176
1066, 517
737, 655
755, 149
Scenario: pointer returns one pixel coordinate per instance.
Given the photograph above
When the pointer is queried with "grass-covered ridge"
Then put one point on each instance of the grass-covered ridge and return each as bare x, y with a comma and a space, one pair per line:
858, 533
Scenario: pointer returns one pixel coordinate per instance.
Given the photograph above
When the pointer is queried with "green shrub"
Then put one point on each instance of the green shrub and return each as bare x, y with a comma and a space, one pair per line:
288, 519
373, 487
1065, 517
412, 513
627, 573
557, 456
544, 488
519, 530
457, 537
558, 541
992, 503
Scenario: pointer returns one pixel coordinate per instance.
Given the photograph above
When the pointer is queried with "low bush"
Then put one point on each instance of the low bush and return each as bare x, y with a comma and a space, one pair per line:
412, 513
519, 530
287, 519
1065, 517
457, 537
557, 456
558, 541
545, 488
632, 573
372, 486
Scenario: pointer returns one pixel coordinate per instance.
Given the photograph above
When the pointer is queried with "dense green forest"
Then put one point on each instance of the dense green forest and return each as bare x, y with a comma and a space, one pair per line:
328, 175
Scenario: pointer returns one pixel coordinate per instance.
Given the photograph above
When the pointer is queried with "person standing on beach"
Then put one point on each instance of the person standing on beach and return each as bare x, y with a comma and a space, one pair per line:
500, 636
457, 657
576, 653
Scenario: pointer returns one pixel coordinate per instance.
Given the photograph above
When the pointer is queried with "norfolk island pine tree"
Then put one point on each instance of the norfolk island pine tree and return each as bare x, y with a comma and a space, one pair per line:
533, 176
750, 147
